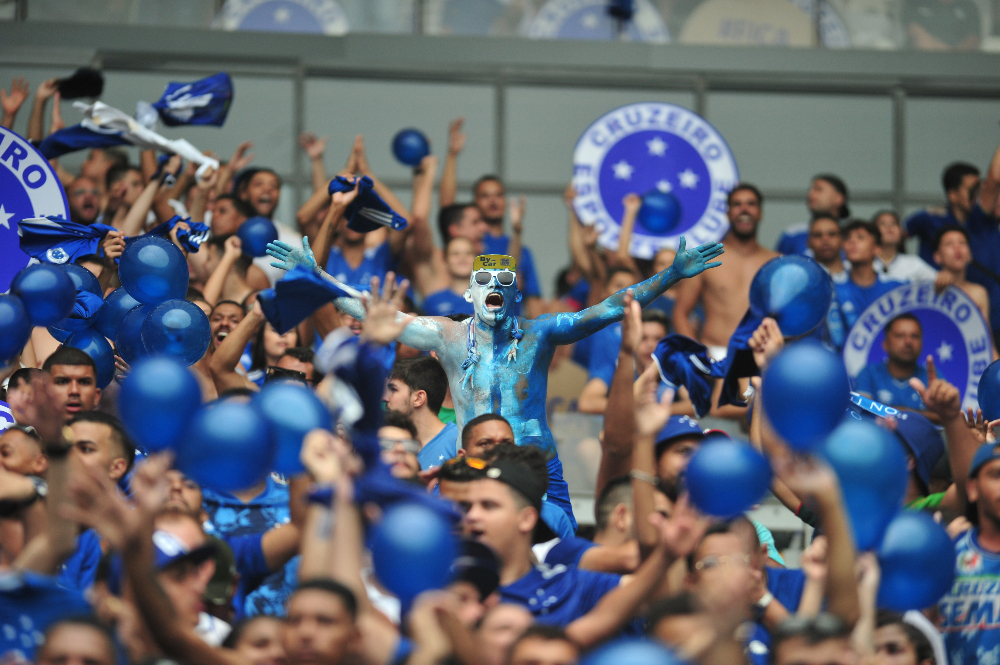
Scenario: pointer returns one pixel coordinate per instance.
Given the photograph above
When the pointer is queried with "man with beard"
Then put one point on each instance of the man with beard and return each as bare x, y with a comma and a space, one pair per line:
84, 198
725, 293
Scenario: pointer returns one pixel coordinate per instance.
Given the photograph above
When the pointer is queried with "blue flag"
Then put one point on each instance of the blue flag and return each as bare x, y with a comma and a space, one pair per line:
296, 297
84, 136
57, 240
367, 212
191, 238
203, 102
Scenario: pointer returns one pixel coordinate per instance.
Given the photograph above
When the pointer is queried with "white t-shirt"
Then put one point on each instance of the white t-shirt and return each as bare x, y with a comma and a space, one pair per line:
906, 268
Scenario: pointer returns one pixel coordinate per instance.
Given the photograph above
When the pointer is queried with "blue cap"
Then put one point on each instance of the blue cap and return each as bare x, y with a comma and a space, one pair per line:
170, 550
923, 441
675, 428
986, 453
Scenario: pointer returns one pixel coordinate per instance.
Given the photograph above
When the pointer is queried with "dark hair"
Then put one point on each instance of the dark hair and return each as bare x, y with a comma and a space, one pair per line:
241, 206
239, 391
240, 627
864, 225
921, 645
457, 470
619, 269
823, 216
656, 316
304, 355
531, 458
458, 317
88, 620
22, 375
242, 182
117, 172
907, 316
951, 228
118, 433
478, 420
396, 419
954, 173
838, 184
449, 216
683, 604
901, 245
423, 373
486, 178
334, 588
241, 264
813, 630
716, 529
563, 286
258, 357
68, 355
745, 187
615, 492
26, 430
88, 258
227, 302
541, 632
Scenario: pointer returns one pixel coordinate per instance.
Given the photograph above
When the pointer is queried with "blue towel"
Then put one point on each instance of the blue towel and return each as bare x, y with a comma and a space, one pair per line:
296, 297
190, 238
203, 102
58, 240
367, 212
79, 137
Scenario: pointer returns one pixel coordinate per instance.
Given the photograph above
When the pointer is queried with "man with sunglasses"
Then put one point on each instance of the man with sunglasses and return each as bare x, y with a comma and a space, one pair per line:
497, 362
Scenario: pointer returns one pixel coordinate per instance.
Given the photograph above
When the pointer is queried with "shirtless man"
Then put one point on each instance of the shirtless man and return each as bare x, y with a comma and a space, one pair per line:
953, 254
725, 293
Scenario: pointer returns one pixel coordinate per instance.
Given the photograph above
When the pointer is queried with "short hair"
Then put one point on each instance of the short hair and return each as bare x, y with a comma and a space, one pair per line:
227, 302
68, 355
118, 434
241, 206
487, 178
117, 156
717, 529
476, 422
457, 470
423, 373
615, 492
619, 269
22, 375
238, 391
650, 315
540, 631
240, 627
744, 187
89, 621
954, 173
951, 228
683, 604
26, 430
906, 316
333, 588
117, 172
921, 645
458, 317
401, 420
304, 355
243, 179
823, 216
88, 258
448, 216
864, 225
813, 630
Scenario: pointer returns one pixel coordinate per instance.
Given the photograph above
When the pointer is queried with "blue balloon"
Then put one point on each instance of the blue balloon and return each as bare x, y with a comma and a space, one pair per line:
97, 347
410, 146
158, 398
226, 447
917, 559
83, 279
659, 213
128, 341
255, 234
793, 290
632, 652
177, 328
153, 270
15, 327
291, 411
59, 334
47, 292
989, 391
413, 548
870, 464
806, 392
725, 478
116, 306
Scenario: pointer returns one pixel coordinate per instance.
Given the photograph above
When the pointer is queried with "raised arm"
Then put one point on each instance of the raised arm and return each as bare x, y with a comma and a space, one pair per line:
37, 119
448, 189
990, 188
387, 194
423, 193
226, 358
622, 257
570, 327
12, 102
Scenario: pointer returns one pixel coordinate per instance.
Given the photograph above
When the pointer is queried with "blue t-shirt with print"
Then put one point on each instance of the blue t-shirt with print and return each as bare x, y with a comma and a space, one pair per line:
794, 240
876, 382
786, 585
231, 517
377, 261
969, 614
29, 604
558, 595
853, 299
441, 448
443, 303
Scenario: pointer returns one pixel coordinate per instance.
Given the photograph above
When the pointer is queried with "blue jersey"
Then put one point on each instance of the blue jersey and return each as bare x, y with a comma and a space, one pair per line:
525, 267
794, 240
558, 595
231, 517
377, 262
29, 604
443, 303
876, 382
786, 585
969, 614
80, 569
250, 564
854, 299
441, 448
604, 348
568, 551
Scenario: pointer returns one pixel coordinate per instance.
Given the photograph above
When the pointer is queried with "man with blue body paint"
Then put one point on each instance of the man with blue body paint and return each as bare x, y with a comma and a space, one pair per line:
497, 362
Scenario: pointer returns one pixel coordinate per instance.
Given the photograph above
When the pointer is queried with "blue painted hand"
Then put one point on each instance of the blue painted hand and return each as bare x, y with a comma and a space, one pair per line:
689, 263
289, 257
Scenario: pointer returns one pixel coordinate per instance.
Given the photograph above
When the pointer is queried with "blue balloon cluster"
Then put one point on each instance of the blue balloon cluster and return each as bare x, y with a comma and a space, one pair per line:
15, 327
871, 466
255, 234
725, 478
157, 401
47, 292
410, 146
917, 559
795, 291
176, 328
659, 213
412, 550
805, 393
128, 340
227, 446
291, 411
116, 306
153, 270
989, 391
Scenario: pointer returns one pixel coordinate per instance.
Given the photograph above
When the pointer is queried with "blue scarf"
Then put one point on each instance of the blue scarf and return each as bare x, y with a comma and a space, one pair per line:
367, 212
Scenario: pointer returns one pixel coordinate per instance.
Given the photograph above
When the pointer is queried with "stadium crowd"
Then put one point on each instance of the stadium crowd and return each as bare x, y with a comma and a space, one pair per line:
109, 555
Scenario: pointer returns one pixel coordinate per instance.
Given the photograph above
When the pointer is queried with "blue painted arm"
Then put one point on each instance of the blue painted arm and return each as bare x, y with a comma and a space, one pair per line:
569, 327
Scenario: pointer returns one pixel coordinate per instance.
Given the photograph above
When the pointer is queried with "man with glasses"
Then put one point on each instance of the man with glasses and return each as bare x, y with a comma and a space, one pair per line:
397, 438
497, 362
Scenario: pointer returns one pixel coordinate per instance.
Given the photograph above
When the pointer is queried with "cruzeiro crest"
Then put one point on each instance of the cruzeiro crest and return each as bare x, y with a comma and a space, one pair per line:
659, 149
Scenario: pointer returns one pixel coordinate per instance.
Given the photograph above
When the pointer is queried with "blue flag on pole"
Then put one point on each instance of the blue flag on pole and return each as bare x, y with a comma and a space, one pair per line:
57, 240
367, 212
203, 102
83, 136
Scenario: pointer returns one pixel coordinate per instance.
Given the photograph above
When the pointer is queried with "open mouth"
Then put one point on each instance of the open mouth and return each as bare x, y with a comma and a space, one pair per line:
494, 301
221, 335
73, 407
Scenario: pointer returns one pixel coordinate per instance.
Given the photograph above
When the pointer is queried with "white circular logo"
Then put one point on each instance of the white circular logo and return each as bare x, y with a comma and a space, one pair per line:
589, 19
303, 16
56, 255
954, 333
661, 149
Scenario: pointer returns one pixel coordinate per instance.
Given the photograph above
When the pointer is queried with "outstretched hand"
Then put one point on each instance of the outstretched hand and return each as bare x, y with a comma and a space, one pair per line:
381, 323
692, 262
289, 257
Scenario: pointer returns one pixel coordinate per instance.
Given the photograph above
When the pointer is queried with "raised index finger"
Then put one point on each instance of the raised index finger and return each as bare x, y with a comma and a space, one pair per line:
931, 370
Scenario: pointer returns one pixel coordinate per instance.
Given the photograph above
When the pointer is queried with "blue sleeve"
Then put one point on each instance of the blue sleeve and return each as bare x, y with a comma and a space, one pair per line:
786, 584
527, 268
595, 585
920, 225
80, 570
864, 382
786, 244
568, 551
604, 355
